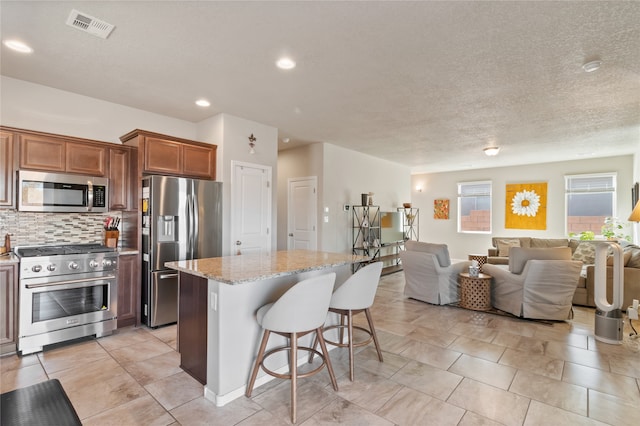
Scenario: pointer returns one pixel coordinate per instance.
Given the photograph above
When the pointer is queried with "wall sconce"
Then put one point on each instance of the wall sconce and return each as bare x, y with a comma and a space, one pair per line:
252, 144
419, 188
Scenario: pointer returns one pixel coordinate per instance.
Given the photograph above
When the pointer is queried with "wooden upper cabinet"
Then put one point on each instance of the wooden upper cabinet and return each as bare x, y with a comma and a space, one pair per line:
163, 156
42, 153
8, 171
120, 178
199, 161
55, 153
167, 155
86, 159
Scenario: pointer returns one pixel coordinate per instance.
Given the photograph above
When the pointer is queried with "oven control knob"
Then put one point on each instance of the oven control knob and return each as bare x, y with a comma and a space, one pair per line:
73, 265
51, 267
106, 262
36, 268
94, 264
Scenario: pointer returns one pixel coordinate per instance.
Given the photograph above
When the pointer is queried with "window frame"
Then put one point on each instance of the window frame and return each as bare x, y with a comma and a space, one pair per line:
567, 192
460, 185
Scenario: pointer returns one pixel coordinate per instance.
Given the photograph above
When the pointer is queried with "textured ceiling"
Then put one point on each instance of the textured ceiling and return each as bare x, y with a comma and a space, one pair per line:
425, 84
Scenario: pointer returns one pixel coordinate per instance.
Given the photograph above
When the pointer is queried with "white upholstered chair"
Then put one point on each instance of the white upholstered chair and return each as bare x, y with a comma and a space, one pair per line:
352, 297
300, 310
429, 274
539, 283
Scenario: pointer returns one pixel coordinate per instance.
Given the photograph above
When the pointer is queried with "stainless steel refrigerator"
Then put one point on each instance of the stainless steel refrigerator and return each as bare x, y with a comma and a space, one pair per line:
181, 220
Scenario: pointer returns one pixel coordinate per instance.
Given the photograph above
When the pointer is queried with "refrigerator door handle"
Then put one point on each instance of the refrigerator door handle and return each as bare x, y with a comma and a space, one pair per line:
196, 225
189, 227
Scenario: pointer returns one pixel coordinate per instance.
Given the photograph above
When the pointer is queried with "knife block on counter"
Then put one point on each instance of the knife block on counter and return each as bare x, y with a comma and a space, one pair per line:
111, 238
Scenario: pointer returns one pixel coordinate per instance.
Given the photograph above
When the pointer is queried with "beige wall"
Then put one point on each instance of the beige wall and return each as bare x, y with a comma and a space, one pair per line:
342, 176
35, 107
444, 185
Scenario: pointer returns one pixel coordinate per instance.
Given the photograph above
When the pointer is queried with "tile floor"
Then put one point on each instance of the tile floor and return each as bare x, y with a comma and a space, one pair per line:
442, 366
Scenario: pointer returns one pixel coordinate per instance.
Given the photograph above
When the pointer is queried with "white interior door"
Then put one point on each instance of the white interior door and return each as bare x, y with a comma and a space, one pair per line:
302, 214
250, 208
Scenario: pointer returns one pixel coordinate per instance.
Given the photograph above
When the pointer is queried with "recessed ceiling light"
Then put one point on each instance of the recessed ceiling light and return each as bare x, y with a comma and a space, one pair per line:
203, 103
18, 46
491, 150
592, 66
286, 63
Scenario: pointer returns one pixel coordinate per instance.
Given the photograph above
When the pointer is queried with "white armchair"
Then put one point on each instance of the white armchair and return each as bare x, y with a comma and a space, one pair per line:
539, 283
429, 274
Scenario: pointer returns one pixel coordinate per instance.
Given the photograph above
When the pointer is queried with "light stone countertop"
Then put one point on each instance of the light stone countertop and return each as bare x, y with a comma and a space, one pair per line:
11, 258
261, 266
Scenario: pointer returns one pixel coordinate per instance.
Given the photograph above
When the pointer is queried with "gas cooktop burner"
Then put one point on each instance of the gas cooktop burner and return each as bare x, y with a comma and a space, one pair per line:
62, 249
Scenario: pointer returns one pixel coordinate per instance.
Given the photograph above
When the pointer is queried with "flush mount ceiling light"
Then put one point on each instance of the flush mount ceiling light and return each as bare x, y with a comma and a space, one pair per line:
285, 63
592, 66
203, 103
18, 46
491, 150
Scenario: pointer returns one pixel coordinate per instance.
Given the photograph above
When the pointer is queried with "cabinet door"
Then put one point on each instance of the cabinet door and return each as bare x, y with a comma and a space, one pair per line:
163, 156
192, 326
41, 153
128, 283
8, 305
7, 173
199, 161
119, 178
86, 159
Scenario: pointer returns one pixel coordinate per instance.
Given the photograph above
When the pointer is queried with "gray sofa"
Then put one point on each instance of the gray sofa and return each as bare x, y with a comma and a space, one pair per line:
583, 251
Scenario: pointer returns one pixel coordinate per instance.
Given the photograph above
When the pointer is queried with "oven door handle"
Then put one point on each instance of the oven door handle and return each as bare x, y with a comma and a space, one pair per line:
58, 283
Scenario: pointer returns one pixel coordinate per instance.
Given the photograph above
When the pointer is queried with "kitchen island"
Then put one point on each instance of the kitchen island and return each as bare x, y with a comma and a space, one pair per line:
218, 335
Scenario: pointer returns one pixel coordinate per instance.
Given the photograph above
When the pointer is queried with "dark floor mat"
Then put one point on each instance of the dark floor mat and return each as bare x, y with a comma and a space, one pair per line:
44, 403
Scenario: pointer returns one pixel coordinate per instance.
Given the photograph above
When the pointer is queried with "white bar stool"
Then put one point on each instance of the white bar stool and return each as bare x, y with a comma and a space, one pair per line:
354, 296
300, 310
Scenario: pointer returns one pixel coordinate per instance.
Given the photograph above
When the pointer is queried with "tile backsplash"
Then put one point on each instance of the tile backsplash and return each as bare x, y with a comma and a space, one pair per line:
52, 228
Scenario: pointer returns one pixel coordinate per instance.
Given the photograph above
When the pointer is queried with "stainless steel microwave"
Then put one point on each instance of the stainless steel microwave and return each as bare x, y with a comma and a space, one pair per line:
57, 192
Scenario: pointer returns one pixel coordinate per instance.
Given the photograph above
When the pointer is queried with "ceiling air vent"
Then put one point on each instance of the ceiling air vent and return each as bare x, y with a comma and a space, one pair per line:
89, 24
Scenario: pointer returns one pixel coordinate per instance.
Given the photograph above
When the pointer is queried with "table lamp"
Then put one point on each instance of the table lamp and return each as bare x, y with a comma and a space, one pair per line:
635, 217
635, 214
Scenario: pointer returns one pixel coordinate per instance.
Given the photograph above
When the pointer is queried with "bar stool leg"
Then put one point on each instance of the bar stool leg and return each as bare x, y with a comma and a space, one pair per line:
350, 337
293, 368
259, 358
373, 333
323, 346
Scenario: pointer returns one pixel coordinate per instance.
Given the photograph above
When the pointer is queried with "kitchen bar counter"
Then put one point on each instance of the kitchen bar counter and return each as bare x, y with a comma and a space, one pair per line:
218, 336
261, 266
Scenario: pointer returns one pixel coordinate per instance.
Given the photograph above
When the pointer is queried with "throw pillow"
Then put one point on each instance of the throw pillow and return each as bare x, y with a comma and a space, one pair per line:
505, 245
625, 259
634, 261
549, 242
585, 253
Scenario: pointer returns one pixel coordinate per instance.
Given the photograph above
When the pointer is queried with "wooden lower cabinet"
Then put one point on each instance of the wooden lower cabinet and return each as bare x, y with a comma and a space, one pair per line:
128, 283
192, 326
9, 307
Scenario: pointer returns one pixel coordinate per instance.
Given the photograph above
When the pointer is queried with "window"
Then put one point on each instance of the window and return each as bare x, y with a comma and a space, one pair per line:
590, 199
474, 207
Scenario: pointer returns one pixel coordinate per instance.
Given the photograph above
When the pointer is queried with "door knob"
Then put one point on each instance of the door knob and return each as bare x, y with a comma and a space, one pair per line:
238, 242
291, 234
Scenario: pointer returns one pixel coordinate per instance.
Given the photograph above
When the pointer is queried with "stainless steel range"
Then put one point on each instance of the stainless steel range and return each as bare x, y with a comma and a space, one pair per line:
66, 292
